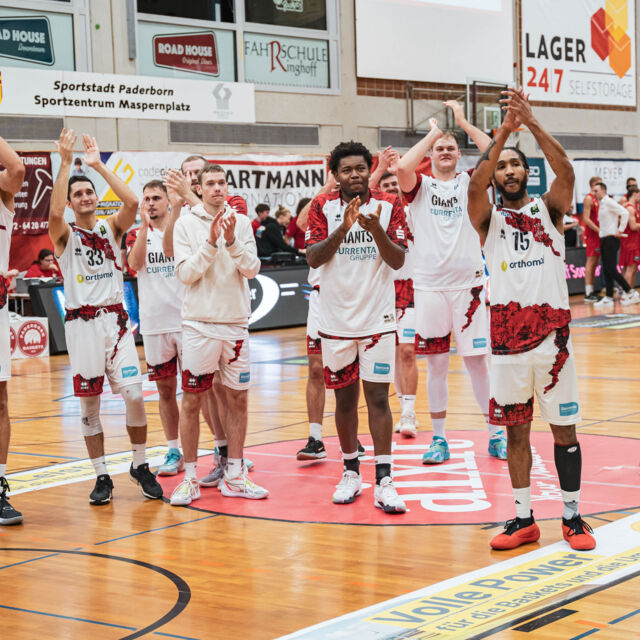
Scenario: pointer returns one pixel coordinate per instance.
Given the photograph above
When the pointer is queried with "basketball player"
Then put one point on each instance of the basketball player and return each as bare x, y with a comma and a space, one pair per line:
97, 329
630, 240
357, 238
315, 392
448, 276
524, 247
183, 195
160, 294
406, 381
11, 178
590, 208
215, 254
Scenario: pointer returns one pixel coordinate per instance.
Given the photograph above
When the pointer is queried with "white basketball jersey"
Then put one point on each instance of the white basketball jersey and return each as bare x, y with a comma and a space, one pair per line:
159, 290
447, 254
525, 258
91, 265
6, 226
314, 277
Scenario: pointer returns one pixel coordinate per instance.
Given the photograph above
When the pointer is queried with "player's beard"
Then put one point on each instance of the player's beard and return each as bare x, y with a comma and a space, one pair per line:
512, 196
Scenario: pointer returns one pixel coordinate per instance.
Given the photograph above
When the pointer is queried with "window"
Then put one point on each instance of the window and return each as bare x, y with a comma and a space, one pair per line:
302, 14
215, 10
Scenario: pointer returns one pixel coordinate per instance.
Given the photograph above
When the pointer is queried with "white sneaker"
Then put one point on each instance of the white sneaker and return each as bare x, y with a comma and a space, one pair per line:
633, 297
386, 497
241, 487
348, 488
407, 425
604, 303
185, 492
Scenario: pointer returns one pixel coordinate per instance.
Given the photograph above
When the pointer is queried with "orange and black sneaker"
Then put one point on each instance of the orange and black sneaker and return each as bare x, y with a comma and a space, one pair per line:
578, 533
516, 532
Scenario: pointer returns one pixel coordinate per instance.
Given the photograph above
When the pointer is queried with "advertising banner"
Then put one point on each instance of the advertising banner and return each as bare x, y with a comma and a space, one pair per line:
294, 62
613, 172
580, 51
32, 201
177, 51
68, 93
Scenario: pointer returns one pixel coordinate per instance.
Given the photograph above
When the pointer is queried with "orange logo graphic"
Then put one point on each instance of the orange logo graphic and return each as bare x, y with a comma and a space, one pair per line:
609, 36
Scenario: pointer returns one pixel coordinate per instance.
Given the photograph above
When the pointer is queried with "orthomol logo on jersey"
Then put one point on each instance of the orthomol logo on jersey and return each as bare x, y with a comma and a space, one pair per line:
522, 264
92, 277
470, 488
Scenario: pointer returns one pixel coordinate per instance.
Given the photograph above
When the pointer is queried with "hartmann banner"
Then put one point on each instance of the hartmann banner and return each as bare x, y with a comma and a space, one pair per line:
96, 95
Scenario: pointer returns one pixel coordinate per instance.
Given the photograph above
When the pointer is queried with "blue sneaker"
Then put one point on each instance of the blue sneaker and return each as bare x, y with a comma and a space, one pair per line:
438, 451
172, 465
498, 445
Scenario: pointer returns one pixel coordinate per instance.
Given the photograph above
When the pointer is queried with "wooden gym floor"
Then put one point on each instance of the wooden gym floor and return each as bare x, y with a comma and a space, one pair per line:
240, 569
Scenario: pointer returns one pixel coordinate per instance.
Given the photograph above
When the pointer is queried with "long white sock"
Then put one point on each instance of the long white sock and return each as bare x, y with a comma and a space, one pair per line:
588, 289
99, 465
315, 430
234, 467
3, 470
438, 426
523, 502
409, 404
570, 499
493, 428
139, 451
190, 470
173, 444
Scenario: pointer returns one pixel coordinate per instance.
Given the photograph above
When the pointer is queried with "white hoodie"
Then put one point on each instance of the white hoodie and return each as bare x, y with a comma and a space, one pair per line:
217, 289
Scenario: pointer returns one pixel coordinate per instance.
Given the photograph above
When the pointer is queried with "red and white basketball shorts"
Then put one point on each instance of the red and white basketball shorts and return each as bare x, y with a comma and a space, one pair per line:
406, 325
629, 256
163, 352
549, 370
463, 312
592, 243
313, 338
208, 347
347, 359
99, 342
5, 344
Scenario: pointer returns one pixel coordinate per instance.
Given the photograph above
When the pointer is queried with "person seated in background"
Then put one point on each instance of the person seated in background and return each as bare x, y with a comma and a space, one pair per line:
571, 224
262, 212
294, 235
44, 267
270, 234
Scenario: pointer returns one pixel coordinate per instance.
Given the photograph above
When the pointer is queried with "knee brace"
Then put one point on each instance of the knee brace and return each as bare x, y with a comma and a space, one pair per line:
132, 396
90, 416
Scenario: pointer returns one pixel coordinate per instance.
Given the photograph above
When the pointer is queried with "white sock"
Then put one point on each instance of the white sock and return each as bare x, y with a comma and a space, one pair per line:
234, 467
99, 465
588, 289
523, 502
190, 470
409, 404
438, 426
221, 443
315, 430
493, 428
139, 451
3, 470
570, 499
173, 444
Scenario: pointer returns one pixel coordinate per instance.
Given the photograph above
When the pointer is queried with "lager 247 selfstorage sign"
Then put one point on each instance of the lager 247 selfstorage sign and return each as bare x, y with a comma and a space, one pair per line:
579, 51
96, 95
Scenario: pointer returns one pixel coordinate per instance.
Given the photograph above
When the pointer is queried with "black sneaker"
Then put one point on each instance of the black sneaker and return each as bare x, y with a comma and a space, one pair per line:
8, 515
313, 450
147, 481
361, 451
592, 297
103, 490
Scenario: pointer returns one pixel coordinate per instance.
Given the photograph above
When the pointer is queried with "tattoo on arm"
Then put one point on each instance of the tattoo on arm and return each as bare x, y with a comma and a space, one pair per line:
485, 155
320, 253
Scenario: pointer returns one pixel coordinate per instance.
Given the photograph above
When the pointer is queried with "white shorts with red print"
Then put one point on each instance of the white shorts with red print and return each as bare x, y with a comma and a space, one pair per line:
347, 359
406, 325
163, 352
463, 312
209, 347
100, 345
5, 344
548, 370
313, 338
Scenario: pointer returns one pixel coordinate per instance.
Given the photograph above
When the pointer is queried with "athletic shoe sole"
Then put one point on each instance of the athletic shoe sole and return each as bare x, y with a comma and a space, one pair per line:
98, 503
11, 521
527, 535
311, 456
146, 495
408, 433
388, 509
208, 485
160, 472
235, 494
348, 500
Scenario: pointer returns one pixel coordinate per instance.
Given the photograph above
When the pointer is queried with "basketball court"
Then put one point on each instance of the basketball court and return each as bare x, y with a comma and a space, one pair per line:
296, 565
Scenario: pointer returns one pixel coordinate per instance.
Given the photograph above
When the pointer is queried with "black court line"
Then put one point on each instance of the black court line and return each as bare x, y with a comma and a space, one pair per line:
556, 605
184, 592
543, 621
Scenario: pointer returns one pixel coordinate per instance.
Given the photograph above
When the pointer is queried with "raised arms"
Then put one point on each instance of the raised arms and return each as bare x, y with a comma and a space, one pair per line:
480, 138
409, 162
58, 228
12, 175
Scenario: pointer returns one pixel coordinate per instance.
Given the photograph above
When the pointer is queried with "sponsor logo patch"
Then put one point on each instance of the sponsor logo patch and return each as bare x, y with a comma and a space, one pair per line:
479, 343
245, 376
381, 368
409, 333
129, 372
568, 408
